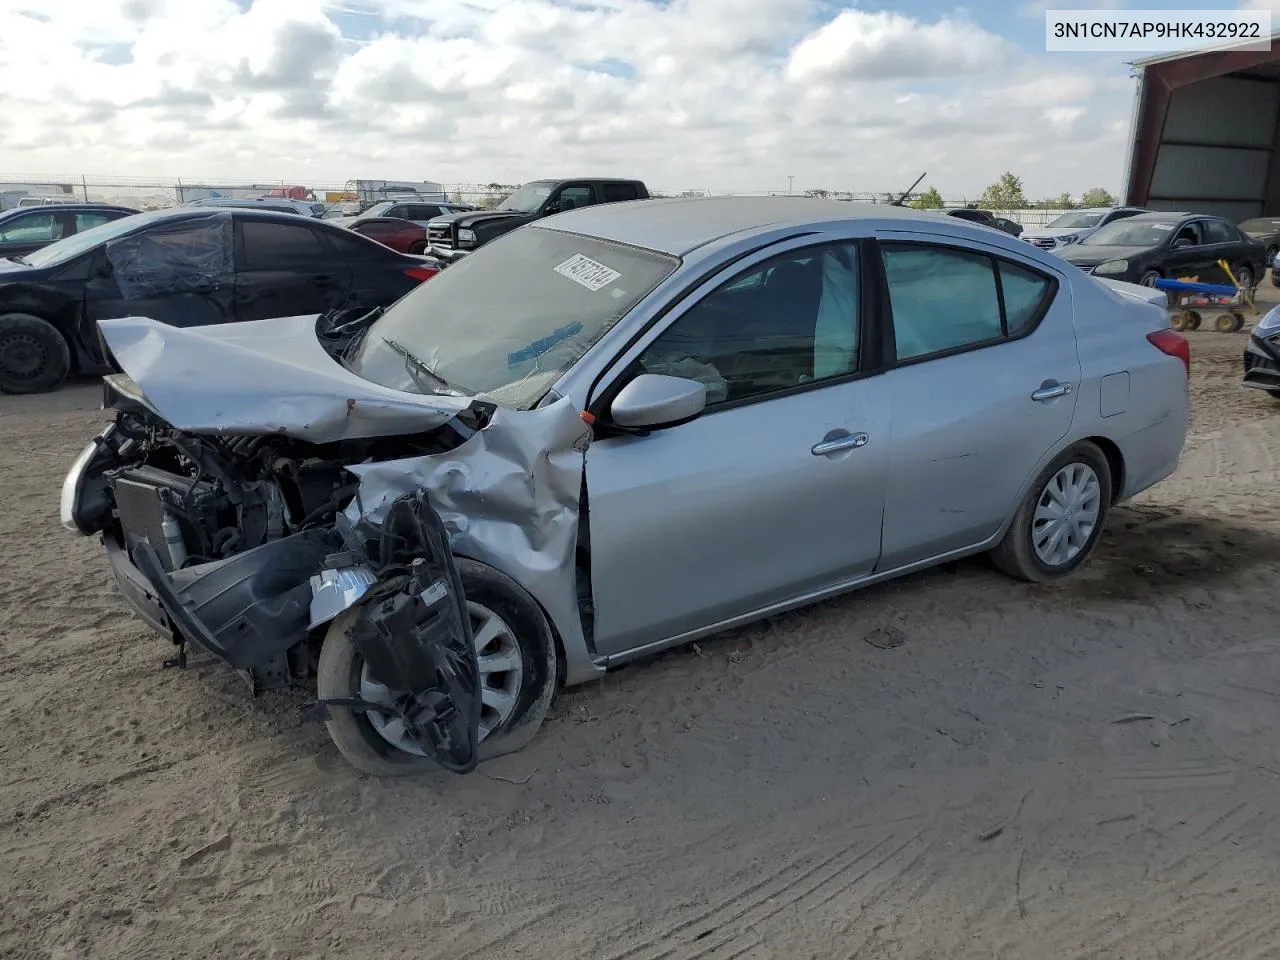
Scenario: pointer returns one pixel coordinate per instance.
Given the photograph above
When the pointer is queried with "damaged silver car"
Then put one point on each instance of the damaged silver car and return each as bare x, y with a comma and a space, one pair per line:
615, 431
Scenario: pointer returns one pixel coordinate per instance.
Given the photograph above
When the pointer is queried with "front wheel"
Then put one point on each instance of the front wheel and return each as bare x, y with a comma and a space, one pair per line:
34, 357
1149, 278
518, 669
1058, 523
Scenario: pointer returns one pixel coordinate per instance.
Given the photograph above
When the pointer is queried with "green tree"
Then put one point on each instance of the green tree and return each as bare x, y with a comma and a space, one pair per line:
1097, 197
931, 199
1005, 194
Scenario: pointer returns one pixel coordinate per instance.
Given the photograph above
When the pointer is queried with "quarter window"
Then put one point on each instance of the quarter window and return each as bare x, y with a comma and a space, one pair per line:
945, 300
87, 221
792, 320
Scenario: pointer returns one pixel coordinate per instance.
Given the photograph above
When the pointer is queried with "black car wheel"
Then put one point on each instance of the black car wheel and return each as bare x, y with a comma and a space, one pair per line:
1244, 276
33, 355
1149, 278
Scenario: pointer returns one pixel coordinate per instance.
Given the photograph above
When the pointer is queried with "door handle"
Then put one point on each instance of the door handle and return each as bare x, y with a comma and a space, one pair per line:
325, 281
831, 445
1051, 391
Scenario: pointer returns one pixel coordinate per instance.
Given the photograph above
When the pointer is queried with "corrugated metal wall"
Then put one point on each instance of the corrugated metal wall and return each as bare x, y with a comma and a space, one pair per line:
1215, 155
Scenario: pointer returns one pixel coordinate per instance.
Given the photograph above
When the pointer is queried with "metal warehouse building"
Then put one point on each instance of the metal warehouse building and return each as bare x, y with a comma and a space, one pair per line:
1206, 133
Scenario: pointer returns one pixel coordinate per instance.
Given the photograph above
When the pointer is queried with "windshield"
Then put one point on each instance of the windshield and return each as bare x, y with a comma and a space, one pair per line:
528, 198
60, 251
1262, 225
1130, 233
1074, 221
505, 323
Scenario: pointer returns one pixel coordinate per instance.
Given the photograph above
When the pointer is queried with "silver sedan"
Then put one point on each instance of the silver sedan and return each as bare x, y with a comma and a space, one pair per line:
676, 417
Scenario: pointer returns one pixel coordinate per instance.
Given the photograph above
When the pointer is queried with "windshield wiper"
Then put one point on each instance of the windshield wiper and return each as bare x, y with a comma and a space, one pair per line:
414, 363
19, 258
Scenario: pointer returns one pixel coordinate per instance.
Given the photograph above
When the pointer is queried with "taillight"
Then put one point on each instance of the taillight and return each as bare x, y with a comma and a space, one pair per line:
421, 273
1174, 344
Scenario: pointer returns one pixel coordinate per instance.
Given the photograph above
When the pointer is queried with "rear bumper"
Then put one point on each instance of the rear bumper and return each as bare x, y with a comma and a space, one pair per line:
1262, 364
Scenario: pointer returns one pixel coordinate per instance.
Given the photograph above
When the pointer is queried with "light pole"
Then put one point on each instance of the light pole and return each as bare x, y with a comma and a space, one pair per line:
790, 181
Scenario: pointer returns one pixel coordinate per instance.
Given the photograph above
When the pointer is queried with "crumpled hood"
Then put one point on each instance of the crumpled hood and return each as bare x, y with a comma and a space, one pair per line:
264, 376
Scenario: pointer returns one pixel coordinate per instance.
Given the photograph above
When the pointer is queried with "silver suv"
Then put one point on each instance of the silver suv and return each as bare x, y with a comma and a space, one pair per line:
1075, 225
305, 208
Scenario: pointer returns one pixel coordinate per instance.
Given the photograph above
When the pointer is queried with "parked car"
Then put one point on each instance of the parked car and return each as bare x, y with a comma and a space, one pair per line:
186, 266
43, 201
1145, 247
1262, 355
403, 235
986, 218
793, 397
24, 230
305, 208
1075, 226
414, 210
1275, 271
1266, 230
454, 236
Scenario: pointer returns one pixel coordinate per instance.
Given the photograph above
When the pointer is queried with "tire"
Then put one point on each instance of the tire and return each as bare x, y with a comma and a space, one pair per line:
34, 357
1149, 278
1016, 554
1244, 276
1274, 393
1193, 320
1270, 256
338, 674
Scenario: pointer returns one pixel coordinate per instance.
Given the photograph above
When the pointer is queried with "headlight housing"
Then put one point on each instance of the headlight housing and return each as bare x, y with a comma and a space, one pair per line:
466, 236
1068, 239
73, 487
1112, 267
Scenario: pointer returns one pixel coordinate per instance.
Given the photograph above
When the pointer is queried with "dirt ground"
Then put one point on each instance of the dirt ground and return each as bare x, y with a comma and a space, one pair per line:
1079, 770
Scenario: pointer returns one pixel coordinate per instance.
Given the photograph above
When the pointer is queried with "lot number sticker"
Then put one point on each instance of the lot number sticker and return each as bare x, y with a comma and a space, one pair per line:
585, 271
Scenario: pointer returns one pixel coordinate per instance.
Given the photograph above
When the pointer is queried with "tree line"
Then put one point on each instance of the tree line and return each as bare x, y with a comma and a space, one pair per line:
1007, 194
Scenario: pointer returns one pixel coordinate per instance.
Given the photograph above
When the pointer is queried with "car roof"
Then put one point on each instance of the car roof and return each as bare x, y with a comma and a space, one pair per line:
678, 225
44, 208
1159, 216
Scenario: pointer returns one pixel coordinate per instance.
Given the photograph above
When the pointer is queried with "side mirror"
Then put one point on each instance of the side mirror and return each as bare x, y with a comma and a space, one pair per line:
552, 207
1182, 242
653, 400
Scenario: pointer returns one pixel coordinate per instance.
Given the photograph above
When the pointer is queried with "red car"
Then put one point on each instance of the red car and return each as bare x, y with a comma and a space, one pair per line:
402, 235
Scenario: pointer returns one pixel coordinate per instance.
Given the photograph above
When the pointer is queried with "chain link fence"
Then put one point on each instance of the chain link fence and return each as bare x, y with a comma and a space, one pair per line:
149, 194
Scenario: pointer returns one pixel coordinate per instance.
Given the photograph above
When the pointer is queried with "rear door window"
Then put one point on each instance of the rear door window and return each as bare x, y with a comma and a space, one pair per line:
1219, 231
945, 299
273, 246
577, 195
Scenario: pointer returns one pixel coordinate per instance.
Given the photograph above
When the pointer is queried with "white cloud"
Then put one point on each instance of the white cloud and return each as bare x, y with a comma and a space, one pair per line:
884, 45
716, 94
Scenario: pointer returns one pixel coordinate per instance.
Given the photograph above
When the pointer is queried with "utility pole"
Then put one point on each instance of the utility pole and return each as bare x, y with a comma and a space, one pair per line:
790, 182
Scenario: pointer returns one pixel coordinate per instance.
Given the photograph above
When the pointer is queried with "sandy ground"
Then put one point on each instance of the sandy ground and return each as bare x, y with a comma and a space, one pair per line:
1080, 770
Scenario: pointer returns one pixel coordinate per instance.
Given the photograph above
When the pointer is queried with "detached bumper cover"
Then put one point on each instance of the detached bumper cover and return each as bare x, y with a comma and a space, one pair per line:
447, 256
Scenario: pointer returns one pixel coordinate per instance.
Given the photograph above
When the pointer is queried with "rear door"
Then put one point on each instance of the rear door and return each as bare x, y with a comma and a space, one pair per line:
571, 196
379, 275
285, 269
1227, 244
983, 388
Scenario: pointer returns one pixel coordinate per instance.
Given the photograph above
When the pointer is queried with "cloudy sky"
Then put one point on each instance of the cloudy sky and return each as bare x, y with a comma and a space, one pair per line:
708, 94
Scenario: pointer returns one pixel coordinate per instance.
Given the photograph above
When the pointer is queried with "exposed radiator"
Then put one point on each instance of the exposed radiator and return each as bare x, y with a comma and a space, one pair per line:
140, 506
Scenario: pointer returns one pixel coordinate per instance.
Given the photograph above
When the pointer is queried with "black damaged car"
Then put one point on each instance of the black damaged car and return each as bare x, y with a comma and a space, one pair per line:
185, 267
1149, 246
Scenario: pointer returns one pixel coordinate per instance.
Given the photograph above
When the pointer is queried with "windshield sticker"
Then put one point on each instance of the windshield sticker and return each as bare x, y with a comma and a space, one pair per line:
539, 347
1162, 226
585, 271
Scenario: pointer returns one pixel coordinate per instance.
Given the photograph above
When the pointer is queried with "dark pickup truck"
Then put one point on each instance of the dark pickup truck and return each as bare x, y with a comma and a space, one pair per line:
455, 235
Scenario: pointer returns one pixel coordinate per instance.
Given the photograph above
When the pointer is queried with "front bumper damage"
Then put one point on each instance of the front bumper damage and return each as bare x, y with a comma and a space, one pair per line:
507, 496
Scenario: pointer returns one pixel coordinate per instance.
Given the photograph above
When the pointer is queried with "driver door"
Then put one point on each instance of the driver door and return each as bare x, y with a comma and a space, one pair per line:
773, 494
1194, 259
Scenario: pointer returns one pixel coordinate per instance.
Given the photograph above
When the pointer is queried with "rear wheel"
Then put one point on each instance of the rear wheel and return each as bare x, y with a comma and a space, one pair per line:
517, 659
1244, 277
34, 357
1059, 522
